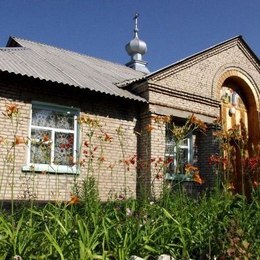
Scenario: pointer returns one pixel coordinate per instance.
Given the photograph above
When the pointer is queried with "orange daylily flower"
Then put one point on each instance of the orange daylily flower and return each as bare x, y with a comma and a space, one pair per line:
190, 168
45, 138
162, 119
101, 159
230, 186
159, 175
197, 178
194, 120
107, 138
74, 199
256, 184
149, 128
19, 140
11, 109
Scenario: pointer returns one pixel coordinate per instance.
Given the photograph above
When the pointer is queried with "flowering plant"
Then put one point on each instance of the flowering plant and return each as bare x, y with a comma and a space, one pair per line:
179, 169
238, 165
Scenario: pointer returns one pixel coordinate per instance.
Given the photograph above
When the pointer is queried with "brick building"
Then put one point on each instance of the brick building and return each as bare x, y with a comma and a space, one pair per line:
67, 116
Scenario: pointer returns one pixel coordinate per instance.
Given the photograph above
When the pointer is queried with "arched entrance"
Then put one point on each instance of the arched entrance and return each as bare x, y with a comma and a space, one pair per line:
239, 107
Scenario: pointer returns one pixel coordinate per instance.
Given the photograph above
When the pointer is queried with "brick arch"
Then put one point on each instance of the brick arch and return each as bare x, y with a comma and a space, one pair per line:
233, 72
250, 93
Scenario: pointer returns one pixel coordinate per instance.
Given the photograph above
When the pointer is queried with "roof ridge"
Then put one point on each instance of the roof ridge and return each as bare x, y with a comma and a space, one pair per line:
68, 51
14, 48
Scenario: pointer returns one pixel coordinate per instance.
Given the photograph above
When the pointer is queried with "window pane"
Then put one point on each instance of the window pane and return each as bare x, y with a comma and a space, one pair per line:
170, 149
54, 119
40, 146
184, 153
184, 142
63, 148
170, 164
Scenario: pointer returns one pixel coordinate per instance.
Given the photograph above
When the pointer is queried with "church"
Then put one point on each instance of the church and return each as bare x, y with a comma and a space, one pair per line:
68, 117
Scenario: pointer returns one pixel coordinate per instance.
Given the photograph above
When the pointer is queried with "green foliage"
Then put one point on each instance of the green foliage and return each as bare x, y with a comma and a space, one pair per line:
210, 226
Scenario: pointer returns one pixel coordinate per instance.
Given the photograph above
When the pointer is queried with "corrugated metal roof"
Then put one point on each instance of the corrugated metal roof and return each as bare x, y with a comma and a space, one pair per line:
62, 66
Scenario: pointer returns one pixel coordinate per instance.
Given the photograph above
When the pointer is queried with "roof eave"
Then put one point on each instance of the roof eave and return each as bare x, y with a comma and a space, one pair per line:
134, 98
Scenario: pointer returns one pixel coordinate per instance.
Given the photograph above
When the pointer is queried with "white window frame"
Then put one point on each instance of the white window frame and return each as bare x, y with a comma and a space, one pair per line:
51, 167
190, 152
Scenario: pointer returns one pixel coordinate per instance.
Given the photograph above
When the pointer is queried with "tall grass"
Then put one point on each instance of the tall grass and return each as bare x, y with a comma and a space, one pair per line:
206, 228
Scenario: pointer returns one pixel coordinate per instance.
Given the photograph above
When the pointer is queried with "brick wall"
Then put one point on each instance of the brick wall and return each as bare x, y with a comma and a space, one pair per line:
112, 169
193, 86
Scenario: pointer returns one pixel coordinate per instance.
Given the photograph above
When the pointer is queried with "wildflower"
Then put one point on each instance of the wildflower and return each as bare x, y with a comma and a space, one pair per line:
159, 175
162, 119
149, 128
132, 159
82, 119
111, 166
214, 159
18, 140
101, 159
45, 138
168, 161
129, 212
11, 110
217, 121
197, 122
81, 162
254, 163
121, 197
256, 184
107, 138
189, 168
152, 160
74, 199
196, 178
230, 186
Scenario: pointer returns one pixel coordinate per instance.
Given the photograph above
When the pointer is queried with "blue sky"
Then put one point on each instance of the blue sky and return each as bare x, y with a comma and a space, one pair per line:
172, 29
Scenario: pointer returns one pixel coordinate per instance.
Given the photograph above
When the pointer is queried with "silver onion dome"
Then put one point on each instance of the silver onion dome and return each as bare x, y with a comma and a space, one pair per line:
136, 45
136, 48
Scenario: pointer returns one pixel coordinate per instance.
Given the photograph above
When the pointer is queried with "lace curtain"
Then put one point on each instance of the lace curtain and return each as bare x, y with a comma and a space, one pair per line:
43, 141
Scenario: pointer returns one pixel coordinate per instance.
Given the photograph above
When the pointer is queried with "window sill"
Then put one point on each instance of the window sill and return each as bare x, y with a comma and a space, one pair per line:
54, 169
177, 177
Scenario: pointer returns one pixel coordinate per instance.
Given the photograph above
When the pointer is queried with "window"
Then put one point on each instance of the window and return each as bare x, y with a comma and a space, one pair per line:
53, 138
178, 155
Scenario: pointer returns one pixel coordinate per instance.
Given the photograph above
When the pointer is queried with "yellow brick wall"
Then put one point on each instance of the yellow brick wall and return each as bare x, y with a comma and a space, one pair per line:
114, 174
193, 86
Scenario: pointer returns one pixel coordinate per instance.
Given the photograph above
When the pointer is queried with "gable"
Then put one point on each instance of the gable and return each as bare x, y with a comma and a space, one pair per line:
192, 84
197, 75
